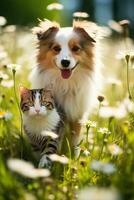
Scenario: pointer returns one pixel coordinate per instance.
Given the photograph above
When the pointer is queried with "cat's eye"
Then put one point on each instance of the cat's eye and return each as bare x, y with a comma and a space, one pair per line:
76, 48
57, 49
49, 105
25, 108
31, 104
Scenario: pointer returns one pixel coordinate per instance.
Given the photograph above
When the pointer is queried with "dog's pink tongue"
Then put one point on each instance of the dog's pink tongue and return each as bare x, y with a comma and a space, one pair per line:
66, 73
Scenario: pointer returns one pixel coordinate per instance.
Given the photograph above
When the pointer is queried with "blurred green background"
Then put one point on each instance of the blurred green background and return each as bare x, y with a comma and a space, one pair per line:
107, 152
25, 12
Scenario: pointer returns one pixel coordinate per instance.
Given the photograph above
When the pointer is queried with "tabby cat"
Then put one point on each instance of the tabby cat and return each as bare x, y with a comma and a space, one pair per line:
40, 115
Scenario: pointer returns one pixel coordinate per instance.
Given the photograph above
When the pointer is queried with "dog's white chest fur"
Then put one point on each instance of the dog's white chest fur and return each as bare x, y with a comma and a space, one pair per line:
75, 95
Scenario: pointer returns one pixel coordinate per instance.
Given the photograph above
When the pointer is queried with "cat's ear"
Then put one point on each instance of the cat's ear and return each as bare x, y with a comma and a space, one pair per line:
23, 91
48, 87
48, 90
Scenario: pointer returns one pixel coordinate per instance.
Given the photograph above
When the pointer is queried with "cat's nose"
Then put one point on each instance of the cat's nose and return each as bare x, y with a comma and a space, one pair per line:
37, 111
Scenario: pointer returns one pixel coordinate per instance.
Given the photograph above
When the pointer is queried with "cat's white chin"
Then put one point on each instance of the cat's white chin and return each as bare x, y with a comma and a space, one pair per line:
37, 115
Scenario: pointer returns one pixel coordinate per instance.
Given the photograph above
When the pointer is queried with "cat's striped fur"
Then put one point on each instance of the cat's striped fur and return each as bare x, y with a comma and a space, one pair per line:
40, 115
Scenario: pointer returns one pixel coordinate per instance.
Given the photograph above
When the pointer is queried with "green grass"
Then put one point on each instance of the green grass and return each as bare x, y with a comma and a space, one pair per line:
106, 155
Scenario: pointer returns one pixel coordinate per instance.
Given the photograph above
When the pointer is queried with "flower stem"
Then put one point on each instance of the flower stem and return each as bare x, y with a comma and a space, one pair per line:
102, 147
128, 86
21, 125
87, 133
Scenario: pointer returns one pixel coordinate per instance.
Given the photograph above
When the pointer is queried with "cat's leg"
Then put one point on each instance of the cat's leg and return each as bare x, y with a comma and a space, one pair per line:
49, 148
44, 145
40, 148
45, 161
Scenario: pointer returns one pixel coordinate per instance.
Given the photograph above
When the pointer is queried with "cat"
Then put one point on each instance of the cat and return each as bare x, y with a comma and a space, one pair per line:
40, 115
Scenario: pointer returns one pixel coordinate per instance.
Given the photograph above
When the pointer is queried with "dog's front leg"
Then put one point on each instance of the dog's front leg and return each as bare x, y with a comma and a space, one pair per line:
75, 136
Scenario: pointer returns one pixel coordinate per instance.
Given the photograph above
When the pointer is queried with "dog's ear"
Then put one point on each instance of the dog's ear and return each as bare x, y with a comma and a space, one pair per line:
86, 29
82, 32
45, 29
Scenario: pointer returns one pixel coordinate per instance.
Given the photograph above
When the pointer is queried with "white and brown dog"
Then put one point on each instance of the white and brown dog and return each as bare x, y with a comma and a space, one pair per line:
67, 58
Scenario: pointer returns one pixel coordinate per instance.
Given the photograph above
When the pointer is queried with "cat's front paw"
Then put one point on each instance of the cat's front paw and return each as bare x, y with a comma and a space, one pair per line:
45, 162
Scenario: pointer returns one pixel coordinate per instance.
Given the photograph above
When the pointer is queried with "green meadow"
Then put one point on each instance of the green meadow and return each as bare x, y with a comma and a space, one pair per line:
104, 169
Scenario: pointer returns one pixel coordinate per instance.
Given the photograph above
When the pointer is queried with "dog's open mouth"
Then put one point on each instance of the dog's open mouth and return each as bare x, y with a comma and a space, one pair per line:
66, 73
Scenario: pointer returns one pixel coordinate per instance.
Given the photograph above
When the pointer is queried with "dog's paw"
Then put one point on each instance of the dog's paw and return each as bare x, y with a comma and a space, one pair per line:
45, 162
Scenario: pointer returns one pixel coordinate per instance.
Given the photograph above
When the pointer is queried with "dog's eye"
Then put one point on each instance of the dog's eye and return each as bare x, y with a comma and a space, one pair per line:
76, 49
57, 49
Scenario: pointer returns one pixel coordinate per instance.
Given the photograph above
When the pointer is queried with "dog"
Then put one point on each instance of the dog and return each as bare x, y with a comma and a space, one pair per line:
67, 58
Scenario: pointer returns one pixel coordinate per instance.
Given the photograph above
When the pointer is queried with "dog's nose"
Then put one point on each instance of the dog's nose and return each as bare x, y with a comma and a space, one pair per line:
65, 63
